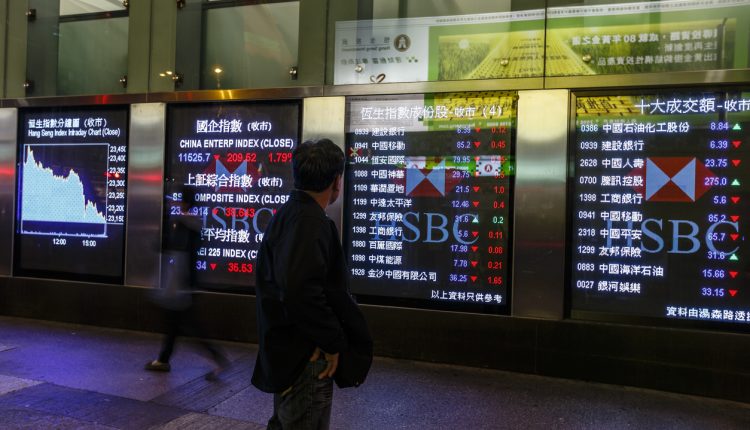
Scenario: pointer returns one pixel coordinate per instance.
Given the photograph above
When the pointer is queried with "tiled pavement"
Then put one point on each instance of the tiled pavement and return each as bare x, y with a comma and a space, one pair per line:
64, 376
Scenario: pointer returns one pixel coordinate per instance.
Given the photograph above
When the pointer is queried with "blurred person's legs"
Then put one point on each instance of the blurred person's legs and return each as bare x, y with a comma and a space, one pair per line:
306, 405
191, 325
175, 297
185, 323
173, 320
174, 302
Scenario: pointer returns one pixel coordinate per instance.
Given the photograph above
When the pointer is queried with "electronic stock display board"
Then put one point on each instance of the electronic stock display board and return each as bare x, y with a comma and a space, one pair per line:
71, 193
236, 159
660, 206
428, 196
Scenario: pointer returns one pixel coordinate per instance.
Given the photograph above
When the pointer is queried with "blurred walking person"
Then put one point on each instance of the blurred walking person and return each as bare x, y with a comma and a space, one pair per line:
175, 297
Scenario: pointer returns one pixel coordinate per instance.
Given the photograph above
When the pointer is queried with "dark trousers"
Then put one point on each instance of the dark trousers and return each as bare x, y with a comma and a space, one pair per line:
183, 322
306, 405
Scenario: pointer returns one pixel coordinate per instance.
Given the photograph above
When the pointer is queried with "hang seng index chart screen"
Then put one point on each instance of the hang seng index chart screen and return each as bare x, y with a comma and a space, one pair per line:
71, 194
660, 206
428, 196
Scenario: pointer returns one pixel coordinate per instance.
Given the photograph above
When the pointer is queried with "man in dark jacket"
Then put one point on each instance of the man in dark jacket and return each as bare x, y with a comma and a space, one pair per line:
306, 317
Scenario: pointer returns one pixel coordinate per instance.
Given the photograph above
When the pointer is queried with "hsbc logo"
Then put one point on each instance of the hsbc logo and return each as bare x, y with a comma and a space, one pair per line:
432, 176
678, 179
674, 179
424, 179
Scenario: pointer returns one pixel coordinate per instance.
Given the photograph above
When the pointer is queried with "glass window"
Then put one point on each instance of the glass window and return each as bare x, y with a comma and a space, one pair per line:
438, 40
245, 44
87, 64
605, 37
77, 47
77, 7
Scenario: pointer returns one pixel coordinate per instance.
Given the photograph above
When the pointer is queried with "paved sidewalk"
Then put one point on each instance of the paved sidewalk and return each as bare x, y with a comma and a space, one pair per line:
65, 376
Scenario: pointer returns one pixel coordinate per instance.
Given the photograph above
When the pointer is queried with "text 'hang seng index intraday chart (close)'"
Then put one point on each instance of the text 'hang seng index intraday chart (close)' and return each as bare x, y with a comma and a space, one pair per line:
660, 206
71, 202
428, 198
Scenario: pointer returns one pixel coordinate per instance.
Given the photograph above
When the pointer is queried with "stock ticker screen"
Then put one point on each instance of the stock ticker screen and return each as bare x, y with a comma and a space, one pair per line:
236, 158
428, 197
71, 193
660, 206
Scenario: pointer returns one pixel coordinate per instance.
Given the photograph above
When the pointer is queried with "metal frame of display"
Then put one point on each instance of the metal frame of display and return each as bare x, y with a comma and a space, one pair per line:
708, 77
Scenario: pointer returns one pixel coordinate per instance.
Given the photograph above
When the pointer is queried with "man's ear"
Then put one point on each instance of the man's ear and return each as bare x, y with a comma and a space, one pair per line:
337, 183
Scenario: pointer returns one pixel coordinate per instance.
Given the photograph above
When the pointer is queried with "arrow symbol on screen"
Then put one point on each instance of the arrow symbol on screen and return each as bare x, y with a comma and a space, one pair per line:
478, 129
476, 144
732, 293
475, 233
735, 218
733, 274
473, 278
476, 189
216, 156
736, 143
216, 211
734, 236
736, 162
476, 204
735, 199
474, 248
274, 211
213, 266
474, 263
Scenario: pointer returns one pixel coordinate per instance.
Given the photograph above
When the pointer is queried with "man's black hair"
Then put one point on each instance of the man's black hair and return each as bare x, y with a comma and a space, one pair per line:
315, 164
187, 194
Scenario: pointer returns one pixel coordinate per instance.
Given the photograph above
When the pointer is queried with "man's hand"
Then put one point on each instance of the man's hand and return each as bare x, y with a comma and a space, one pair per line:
331, 359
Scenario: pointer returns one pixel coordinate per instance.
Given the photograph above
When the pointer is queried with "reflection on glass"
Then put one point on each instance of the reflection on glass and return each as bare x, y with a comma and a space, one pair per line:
510, 47
640, 37
77, 7
413, 9
439, 40
92, 56
249, 46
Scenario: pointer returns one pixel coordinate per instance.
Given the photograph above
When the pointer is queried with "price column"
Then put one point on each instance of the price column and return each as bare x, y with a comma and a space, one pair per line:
493, 191
116, 179
721, 274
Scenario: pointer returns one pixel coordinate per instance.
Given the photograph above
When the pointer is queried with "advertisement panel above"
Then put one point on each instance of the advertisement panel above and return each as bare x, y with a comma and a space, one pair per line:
618, 38
648, 37
480, 46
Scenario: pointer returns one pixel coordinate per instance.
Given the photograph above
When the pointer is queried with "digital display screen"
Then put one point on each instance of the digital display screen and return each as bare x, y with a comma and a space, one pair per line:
660, 206
236, 159
428, 196
71, 193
